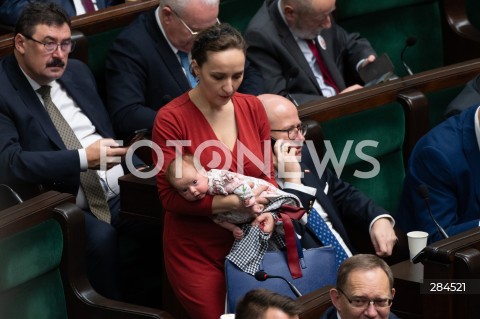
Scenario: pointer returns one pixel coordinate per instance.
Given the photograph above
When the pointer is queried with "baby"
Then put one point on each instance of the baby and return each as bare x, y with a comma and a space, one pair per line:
195, 184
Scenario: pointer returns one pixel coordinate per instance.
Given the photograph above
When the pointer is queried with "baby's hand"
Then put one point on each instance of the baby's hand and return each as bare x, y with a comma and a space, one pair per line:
265, 222
238, 233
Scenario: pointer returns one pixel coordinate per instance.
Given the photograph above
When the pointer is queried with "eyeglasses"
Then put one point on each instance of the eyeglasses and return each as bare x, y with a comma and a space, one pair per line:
50, 47
293, 132
193, 33
359, 302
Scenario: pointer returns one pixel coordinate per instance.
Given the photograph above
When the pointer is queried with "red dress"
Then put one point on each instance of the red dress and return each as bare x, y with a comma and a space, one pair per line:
194, 246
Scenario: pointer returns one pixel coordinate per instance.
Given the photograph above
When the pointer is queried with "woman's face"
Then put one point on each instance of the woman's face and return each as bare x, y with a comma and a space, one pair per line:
221, 75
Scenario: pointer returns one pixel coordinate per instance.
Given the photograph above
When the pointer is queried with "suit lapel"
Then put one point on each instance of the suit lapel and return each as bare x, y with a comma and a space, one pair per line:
470, 147
32, 101
167, 55
311, 179
291, 44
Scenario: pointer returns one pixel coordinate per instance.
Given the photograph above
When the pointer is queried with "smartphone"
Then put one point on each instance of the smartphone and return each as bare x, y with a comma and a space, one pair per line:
135, 137
377, 71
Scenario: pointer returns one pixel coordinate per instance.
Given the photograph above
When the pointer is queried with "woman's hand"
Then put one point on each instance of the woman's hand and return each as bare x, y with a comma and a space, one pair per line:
222, 204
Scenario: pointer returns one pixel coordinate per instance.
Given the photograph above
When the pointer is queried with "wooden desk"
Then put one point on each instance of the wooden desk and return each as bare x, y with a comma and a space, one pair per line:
408, 278
141, 201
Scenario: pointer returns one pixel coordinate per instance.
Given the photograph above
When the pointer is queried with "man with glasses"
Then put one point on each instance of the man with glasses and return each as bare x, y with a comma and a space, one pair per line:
337, 203
364, 290
297, 43
55, 134
149, 62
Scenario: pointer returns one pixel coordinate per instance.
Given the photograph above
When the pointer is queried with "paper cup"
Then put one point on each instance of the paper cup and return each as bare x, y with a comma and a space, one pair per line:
417, 240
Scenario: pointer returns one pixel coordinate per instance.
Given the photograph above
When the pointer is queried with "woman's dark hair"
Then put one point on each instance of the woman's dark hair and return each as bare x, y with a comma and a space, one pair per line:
37, 13
217, 38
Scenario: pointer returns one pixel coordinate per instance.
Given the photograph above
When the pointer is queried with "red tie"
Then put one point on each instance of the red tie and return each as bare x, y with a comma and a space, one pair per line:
88, 5
327, 77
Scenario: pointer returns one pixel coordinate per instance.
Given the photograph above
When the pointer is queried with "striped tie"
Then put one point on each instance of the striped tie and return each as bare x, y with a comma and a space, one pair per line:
90, 180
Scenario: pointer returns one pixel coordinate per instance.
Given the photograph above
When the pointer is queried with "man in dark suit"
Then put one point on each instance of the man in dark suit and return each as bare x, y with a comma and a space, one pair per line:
144, 70
364, 290
55, 134
469, 96
10, 10
446, 162
296, 42
337, 202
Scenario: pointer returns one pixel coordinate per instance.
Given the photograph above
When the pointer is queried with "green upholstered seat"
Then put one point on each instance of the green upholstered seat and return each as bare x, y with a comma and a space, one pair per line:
42, 259
30, 280
238, 13
388, 24
385, 125
98, 46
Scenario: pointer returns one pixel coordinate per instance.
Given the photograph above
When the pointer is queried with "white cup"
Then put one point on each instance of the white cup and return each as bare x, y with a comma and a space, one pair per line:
417, 240
228, 316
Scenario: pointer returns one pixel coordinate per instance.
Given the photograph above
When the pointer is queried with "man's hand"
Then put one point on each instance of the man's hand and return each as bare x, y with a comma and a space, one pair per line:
351, 88
368, 60
100, 152
383, 237
286, 157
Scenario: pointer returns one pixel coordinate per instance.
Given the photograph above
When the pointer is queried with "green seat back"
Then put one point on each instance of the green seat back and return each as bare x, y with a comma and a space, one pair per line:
385, 125
98, 46
388, 24
438, 102
238, 13
30, 282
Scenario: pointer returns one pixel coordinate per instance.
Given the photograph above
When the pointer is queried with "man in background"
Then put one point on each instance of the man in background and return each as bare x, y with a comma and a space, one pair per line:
296, 43
364, 290
265, 304
55, 133
149, 63
325, 196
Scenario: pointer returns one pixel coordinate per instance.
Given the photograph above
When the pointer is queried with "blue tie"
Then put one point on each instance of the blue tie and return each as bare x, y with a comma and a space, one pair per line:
186, 66
323, 232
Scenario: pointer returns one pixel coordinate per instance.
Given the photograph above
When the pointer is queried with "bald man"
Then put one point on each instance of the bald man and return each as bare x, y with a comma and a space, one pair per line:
335, 200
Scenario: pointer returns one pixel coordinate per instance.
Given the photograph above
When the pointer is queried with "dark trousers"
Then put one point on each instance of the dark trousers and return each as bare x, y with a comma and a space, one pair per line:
103, 251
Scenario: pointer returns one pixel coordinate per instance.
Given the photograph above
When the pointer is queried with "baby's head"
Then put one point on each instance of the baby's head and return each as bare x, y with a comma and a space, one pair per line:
191, 183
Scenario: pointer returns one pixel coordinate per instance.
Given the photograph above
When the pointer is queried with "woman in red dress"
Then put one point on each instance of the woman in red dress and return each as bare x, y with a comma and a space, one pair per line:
224, 130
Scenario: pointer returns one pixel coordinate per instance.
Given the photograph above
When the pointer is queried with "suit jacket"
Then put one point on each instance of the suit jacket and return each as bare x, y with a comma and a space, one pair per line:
143, 74
10, 10
331, 313
346, 206
469, 96
272, 49
32, 152
446, 160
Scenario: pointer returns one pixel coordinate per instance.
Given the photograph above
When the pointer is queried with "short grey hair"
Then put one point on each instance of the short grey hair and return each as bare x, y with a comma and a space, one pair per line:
179, 5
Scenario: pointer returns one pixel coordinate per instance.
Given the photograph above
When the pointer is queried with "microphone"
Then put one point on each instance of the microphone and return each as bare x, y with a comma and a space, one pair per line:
410, 42
262, 276
423, 191
291, 73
